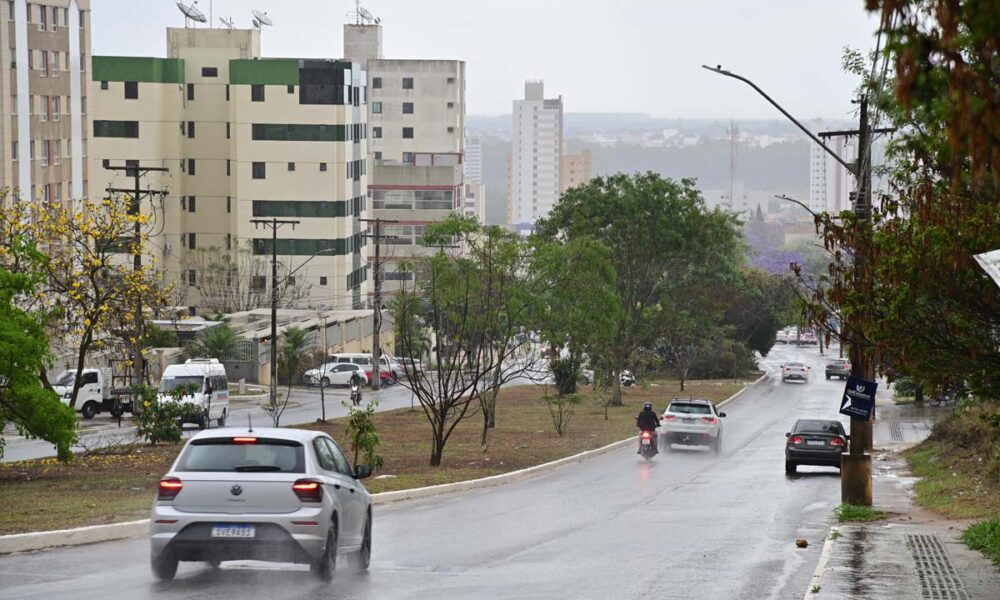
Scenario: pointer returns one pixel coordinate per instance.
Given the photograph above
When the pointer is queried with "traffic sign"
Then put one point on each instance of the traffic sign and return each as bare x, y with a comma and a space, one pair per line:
859, 398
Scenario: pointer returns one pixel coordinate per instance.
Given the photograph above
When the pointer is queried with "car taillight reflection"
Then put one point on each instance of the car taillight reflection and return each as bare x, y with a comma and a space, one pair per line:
308, 490
169, 488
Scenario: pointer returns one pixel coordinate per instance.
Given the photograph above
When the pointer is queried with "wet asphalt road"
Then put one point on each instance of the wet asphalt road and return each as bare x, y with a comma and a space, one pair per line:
689, 525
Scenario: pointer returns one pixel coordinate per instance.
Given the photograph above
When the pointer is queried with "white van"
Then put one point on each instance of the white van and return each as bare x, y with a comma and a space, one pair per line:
207, 377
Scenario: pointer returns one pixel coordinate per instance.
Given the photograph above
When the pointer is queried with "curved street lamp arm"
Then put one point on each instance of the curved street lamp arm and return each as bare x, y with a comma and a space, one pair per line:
304, 263
812, 136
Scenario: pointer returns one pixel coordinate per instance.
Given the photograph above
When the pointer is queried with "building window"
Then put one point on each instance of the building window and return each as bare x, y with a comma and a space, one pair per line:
376, 132
192, 277
451, 105
184, 203
45, 63
407, 108
377, 83
228, 129
407, 133
190, 91
407, 83
83, 102
190, 166
13, 150
209, 72
56, 107
45, 108
229, 204
229, 168
229, 241
227, 92
259, 170
104, 85
322, 280
451, 80
291, 166
291, 89
192, 200
256, 93
57, 153
42, 16
322, 166
192, 242
378, 156
190, 129
376, 108
131, 90
116, 129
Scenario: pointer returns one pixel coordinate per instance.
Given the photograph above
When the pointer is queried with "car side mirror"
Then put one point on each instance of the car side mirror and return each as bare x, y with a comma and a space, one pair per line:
722, 414
788, 434
362, 471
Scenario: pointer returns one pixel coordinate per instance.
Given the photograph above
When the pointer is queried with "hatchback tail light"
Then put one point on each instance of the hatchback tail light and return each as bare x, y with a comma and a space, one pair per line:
837, 441
710, 420
794, 440
169, 488
308, 490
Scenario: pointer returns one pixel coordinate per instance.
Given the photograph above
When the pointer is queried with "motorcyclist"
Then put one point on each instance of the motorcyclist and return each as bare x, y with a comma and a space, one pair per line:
648, 421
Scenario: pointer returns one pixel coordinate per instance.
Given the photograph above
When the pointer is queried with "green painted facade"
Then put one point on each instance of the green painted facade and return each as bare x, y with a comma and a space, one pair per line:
138, 68
274, 71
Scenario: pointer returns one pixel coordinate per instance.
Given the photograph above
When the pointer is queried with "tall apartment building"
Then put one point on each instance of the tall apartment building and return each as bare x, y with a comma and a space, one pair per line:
44, 101
475, 190
536, 158
830, 184
244, 137
416, 115
575, 169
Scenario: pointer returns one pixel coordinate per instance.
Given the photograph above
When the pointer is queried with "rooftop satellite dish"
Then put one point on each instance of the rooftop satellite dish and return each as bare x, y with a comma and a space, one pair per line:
227, 23
364, 14
261, 18
192, 12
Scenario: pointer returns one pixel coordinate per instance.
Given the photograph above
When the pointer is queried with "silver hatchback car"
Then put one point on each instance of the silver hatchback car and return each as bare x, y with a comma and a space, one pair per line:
285, 495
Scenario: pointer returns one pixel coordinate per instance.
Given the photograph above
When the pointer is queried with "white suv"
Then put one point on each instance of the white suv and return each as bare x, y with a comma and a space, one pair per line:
692, 421
285, 495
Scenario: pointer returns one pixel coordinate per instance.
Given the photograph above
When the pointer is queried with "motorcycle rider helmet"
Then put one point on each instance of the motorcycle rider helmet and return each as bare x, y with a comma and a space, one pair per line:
647, 406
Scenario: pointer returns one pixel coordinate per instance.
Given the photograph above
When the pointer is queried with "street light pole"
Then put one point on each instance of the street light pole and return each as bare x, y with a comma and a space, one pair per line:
856, 472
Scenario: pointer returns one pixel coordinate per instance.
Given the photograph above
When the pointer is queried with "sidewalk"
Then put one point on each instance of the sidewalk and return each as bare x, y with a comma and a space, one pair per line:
912, 555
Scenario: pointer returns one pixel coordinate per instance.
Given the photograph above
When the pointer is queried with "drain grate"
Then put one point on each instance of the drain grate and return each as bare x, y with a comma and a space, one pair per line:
938, 579
895, 431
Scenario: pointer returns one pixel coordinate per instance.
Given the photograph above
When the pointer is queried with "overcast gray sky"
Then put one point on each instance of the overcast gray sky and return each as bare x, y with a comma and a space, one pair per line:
601, 56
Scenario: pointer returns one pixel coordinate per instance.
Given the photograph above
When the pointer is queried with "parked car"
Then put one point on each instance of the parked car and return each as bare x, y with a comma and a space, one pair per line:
386, 372
692, 421
838, 367
814, 442
794, 370
207, 387
332, 373
287, 495
808, 338
781, 337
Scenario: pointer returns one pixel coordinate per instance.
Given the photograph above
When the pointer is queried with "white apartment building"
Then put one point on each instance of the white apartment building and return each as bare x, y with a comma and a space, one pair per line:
536, 157
43, 130
830, 184
473, 163
244, 137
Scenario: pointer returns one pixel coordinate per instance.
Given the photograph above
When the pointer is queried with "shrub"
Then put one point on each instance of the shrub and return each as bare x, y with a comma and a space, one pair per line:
161, 421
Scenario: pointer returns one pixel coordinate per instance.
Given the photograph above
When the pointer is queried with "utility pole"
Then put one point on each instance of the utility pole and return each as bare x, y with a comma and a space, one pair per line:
134, 209
377, 300
274, 225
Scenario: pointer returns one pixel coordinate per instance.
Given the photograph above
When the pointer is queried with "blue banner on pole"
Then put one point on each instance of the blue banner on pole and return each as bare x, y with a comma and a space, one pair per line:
859, 398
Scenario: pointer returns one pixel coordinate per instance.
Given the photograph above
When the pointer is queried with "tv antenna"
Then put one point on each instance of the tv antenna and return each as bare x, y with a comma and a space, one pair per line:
261, 18
362, 16
227, 23
191, 13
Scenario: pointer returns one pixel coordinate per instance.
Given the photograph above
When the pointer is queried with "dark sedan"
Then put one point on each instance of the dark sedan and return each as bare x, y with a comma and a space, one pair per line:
817, 442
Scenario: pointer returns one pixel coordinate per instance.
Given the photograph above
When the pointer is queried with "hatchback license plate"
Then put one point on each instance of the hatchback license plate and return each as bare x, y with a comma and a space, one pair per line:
815, 443
233, 531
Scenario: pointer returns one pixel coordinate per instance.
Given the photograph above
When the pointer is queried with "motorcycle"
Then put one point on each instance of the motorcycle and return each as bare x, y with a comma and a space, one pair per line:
646, 446
355, 392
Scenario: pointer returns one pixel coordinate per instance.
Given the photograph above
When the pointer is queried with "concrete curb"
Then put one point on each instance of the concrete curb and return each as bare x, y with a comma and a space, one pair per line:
824, 560
25, 542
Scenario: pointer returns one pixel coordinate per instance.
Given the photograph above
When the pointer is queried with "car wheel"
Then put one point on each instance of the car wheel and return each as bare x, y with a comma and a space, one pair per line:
164, 566
326, 564
89, 409
325, 382
362, 558
790, 467
828, 376
222, 419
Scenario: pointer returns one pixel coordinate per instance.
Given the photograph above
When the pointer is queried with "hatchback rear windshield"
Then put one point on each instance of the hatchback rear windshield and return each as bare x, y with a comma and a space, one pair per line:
819, 427
261, 456
690, 409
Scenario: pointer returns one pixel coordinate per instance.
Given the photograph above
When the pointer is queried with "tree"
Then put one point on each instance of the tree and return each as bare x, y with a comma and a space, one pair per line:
236, 279
918, 302
221, 342
363, 434
36, 411
660, 237
472, 306
293, 349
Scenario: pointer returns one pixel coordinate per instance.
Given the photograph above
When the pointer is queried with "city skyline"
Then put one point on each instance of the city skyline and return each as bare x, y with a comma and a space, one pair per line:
765, 42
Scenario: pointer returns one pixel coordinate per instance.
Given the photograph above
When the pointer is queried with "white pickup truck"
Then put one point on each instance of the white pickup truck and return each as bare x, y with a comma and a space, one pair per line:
95, 395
